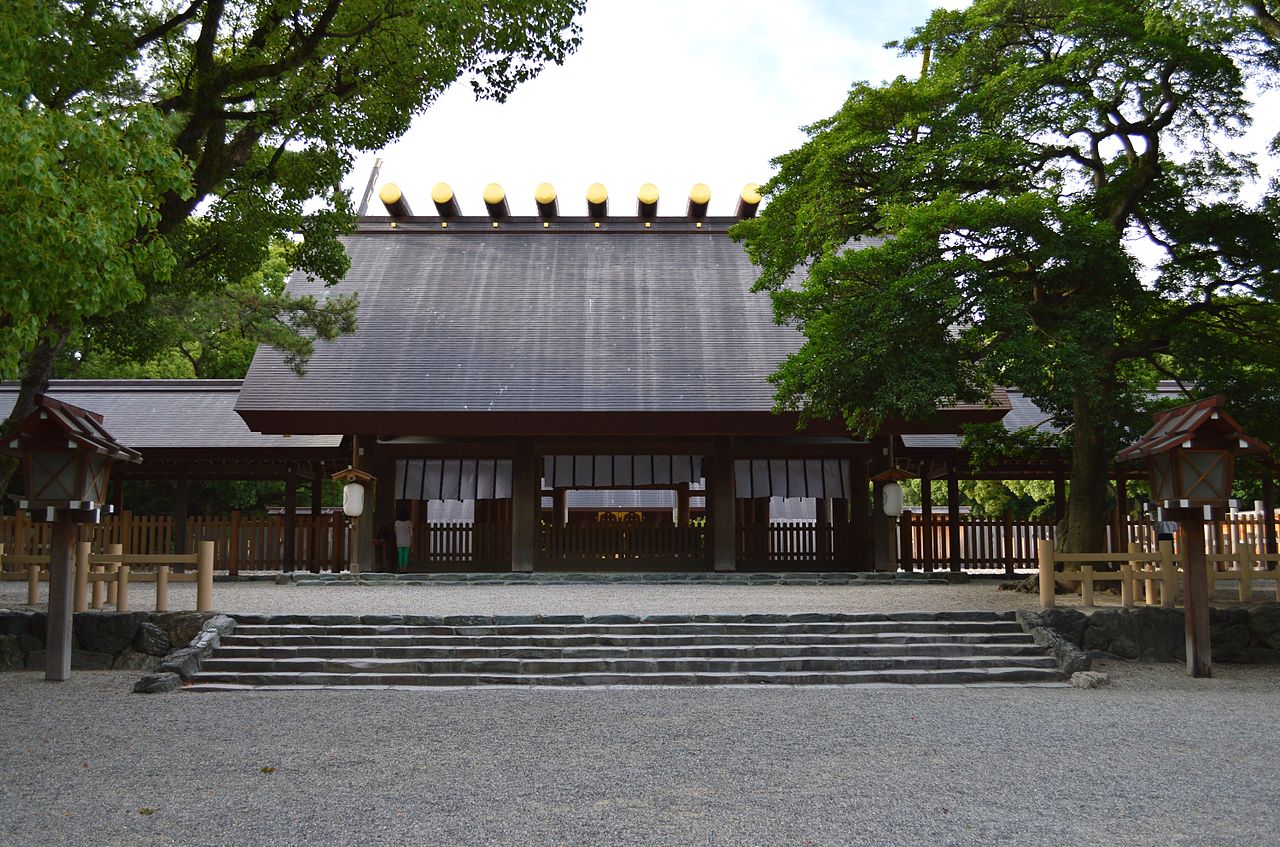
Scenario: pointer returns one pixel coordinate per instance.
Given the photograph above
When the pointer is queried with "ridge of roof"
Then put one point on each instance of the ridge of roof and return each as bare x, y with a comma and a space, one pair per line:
115, 385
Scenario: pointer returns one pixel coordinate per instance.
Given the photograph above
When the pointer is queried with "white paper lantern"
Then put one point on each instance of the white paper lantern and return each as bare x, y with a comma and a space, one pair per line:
892, 499
353, 499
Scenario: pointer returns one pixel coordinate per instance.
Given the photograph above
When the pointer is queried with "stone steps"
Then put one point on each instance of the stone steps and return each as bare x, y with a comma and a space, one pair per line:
927, 648
914, 648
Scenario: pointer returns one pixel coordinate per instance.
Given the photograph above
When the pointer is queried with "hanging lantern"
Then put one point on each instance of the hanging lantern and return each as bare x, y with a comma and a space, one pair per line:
891, 486
353, 492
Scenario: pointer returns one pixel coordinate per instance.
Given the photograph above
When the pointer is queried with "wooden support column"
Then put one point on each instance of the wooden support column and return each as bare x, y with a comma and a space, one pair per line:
526, 504
1196, 591
62, 548
290, 518
926, 519
840, 531
883, 538
560, 506
180, 514
722, 505
822, 525
682, 505
117, 494
362, 527
384, 511
317, 508
860, 547
1269, 510
953, 519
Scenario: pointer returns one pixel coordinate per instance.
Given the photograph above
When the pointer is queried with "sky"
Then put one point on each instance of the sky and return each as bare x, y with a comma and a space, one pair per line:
672, 93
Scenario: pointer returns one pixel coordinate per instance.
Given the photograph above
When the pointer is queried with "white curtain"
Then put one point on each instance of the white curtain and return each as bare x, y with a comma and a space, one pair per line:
619, 471
791, 477
453, 479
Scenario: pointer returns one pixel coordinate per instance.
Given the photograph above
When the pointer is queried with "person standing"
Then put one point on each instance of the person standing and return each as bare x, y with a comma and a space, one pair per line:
404, 539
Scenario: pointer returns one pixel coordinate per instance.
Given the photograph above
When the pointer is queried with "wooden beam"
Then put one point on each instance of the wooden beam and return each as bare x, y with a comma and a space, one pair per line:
180, 513
317, 508
1269, 510
58, 639
926, 520
290, 519
860, 552
1059, 493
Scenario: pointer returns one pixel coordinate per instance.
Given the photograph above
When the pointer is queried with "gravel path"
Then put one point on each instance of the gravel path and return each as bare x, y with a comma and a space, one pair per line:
1158, 759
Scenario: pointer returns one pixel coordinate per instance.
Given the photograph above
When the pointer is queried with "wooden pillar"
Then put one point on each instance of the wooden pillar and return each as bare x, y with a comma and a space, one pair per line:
1269, 510
560, 506
822, 525
317, 508
117, 494
926, 519
883, 537
1059, 494
682, 506
180, 514
953, 519
840, 531
1195, 591
860, 548
362, 527
57, 662
384, 512
289, 551
526, 504
722, 506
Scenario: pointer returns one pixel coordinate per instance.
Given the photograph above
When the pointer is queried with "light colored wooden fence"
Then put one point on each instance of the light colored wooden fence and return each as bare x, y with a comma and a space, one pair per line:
116, 570
1161, 569
240, 542
461, 543
789, 542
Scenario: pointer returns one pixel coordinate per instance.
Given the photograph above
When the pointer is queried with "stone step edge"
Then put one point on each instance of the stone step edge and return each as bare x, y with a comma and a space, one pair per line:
215, 687
692, 678
227, 650
629, 577
905, 616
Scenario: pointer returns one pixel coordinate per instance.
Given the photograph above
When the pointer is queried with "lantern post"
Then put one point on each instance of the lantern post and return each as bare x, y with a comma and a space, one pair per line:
66, 458
355, 494
1190, 453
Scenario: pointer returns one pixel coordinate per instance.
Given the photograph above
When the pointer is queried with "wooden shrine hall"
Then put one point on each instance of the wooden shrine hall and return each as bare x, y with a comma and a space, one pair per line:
510, 362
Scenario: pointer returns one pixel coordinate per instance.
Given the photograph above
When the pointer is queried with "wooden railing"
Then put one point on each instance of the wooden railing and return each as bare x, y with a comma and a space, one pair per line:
240, 542
605, 543
461, 543
1138, 568
116, 570
786, 543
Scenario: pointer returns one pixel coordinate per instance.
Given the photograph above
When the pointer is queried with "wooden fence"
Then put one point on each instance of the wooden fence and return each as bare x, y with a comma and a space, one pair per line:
604, 543
461, 543
239, 542
790, 542
1152, 570
1005, 543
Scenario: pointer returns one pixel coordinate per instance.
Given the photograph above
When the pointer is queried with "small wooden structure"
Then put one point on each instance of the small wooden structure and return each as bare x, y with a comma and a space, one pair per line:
66, 456
1191, 452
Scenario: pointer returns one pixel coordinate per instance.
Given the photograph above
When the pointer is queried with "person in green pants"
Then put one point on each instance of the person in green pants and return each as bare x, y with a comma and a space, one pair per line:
404, 539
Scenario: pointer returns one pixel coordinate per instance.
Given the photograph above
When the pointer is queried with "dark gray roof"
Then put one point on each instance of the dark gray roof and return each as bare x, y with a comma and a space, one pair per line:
539, 321
148, 413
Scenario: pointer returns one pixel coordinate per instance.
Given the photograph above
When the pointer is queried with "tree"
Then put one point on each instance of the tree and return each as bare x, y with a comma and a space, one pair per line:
214, 335
159, 147
998, 200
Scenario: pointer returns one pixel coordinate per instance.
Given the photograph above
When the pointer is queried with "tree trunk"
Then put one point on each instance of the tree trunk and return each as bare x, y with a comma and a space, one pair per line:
1087, 500
35, 380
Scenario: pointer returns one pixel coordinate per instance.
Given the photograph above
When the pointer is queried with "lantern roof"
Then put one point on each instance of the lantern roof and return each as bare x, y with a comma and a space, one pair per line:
1193, 422
56, 422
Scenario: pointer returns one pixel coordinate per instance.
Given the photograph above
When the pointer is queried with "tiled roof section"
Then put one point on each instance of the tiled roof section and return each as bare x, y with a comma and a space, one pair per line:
146, 413
572, 321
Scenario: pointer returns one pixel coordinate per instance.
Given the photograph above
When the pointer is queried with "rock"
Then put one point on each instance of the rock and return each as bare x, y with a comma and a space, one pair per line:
157, 683
1069, 656
1264, 625
1090, 679
151, 640
221, 624
619, 619
107, 632
184, 662
12, 656
1228, 633
181, 626
131, 660
1069, 623
89, 660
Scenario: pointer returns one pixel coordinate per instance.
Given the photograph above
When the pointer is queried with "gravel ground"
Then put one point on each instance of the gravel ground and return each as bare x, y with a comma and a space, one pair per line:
1157, 759
588, 599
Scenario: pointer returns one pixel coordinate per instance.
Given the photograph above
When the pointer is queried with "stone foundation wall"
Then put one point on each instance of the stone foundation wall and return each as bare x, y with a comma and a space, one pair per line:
1154, 634
101, 640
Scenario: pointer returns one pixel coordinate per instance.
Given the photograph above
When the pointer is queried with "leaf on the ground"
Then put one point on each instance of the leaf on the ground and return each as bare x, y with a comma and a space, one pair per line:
268, 769
146, 810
